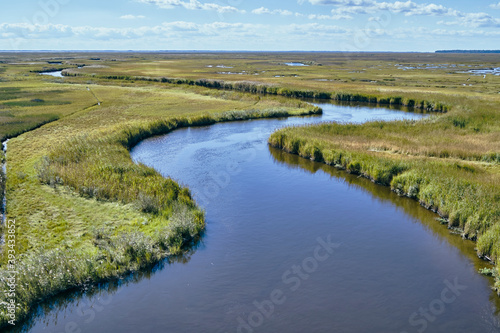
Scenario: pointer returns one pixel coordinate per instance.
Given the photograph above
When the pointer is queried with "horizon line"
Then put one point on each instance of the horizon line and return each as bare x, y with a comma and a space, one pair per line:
249, 51
211, 51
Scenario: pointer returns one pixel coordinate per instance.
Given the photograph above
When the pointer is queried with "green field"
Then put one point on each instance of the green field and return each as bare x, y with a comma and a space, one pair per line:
85, 212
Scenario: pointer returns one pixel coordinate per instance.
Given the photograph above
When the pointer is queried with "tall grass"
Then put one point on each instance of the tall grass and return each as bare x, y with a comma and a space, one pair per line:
437, 137
19, 125
2, 187
468, 195
2, 184
464, 194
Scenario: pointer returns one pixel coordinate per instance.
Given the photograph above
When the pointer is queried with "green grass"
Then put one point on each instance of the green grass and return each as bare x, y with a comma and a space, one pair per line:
26, 105
47, 272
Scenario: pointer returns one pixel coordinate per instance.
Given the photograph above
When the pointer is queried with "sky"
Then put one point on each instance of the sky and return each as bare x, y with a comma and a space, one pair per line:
244, 25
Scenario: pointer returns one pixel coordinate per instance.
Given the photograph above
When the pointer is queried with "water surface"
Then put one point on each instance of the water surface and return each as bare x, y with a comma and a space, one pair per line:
53, 73
296, 64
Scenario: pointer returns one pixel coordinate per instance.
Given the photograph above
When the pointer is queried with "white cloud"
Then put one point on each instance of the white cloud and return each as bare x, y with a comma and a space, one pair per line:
410, 8
342, 2
170, 30
30, 31
236, 35
192, 5
495, 5
132, 17
177, 29
407, 8
352, 10
284, 12
476, 20
314, 29
423, 32
329, 17
177, 26
264, 10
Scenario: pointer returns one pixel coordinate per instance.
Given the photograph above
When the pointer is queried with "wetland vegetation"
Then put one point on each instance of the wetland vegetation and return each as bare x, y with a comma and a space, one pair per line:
85, 212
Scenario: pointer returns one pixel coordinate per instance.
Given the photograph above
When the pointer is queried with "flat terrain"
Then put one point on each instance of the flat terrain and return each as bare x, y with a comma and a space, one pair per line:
85, 212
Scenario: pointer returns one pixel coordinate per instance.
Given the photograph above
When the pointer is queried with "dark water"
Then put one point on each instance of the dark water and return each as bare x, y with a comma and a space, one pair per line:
290, 246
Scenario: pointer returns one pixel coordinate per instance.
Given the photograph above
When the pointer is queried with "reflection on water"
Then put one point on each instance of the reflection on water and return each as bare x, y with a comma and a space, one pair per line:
422, 216
491, 311
93, 299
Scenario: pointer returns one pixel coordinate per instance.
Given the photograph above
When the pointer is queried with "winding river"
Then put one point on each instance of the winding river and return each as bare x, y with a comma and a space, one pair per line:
290, 246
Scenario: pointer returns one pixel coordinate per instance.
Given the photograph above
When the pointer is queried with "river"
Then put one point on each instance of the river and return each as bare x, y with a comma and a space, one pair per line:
290, 246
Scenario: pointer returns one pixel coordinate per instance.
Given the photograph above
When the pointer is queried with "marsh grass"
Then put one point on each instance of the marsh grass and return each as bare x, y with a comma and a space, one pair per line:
2, 192
30, 105
277, 90
15, 126
476, 138
100, 167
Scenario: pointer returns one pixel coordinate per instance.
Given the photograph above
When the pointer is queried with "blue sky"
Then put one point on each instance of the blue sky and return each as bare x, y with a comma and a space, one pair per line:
310, 25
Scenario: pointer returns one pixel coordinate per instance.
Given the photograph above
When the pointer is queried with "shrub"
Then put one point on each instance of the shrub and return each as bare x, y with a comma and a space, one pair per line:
316, 154
148, 204
354, 168
459, 122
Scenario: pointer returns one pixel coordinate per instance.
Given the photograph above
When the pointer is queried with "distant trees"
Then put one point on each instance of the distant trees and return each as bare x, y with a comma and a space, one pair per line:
468, 51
